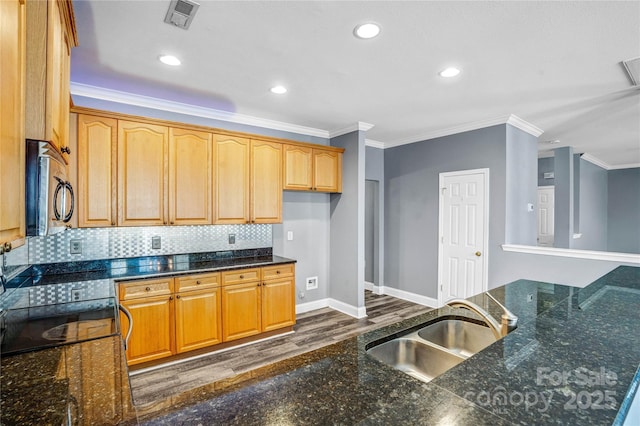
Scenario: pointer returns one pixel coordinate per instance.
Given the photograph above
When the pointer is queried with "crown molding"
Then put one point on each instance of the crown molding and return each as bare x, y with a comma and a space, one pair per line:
117, 96
630, 258
474, 125
593, 160
625, 166
359, 126
374, 144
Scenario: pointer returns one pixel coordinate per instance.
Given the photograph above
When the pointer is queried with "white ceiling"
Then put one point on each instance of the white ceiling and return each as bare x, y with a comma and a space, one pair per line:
556, 65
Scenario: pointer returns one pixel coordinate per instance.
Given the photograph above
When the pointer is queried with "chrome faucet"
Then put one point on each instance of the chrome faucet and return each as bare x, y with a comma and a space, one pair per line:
508, 323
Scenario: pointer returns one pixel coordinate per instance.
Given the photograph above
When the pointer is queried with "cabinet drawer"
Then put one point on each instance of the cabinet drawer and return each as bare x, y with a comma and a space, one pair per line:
146, 288
278, 271
197, 282
240, 276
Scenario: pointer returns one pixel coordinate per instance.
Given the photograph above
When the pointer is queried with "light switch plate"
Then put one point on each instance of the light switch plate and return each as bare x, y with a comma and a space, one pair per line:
289, 235
232, 238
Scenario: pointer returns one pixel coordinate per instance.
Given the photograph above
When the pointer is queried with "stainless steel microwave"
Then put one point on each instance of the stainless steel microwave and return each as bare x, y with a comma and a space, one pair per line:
49, 195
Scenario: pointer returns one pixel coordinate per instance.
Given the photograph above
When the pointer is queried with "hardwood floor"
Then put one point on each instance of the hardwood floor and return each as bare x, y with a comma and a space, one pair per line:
313, 330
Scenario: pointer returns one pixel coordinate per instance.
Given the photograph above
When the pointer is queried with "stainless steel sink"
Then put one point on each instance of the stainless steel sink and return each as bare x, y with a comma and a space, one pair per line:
433, 349
461, 337
420, 360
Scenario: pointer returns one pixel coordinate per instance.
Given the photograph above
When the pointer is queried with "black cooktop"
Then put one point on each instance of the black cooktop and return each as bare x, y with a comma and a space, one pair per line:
41, 327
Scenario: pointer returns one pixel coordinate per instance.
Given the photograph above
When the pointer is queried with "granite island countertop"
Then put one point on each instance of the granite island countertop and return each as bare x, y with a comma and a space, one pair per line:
571, 346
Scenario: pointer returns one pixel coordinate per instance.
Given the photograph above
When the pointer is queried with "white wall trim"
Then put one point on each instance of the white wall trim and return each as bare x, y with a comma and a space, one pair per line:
361, 126
301, 308
525, 126
110, 95
598, 162
577, 254
348, 309
411, 297
374, 144
475, 125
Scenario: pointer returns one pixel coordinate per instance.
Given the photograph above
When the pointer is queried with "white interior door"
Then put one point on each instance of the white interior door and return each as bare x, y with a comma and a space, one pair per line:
463, 264
546, 201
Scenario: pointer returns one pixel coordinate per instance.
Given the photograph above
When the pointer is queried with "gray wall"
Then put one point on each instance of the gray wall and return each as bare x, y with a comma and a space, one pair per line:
306, 214
564, 186
592, 208
347, 224
411, 175
545, 165
522, 165
374, 171
624, 210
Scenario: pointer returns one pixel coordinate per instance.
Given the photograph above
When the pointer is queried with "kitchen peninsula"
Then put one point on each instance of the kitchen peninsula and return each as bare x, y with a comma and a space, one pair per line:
586, 335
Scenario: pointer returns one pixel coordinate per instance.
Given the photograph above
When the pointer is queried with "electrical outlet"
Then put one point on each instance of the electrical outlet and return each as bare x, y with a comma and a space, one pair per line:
76, 294
232, 238
312, 283
156, 242
289, 235
75, 247
301, 294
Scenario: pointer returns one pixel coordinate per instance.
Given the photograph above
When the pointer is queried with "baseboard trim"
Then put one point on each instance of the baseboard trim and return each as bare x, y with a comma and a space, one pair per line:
348, 309
312, 306
411, 297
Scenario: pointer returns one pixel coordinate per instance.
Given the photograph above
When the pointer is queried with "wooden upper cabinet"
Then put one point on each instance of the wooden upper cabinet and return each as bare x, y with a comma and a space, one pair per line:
298, 168
96, 195
142, 174
266, 182
231, 165
50, 38
327, 171
190, 177
12, 130
311, 169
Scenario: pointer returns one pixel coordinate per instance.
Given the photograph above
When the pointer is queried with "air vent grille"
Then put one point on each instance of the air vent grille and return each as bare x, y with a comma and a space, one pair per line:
633, 68
181, 13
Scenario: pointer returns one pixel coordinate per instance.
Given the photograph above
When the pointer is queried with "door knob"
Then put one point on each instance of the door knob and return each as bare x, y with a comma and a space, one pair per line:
478, 254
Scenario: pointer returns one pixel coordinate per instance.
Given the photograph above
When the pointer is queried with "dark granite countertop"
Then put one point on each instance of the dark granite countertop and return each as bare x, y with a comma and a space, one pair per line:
572, 360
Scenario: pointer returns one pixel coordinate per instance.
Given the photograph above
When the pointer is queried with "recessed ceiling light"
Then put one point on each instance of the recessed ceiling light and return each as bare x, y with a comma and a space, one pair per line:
449, 72
279, 90
368, 30
170, 60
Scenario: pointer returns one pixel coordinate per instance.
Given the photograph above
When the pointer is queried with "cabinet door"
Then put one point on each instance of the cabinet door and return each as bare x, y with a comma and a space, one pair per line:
12, 179
58, 59
142, 177
97, 137
231, 179
266, 182
198, 319
189, 177
278, 304
240, 311
327, 171
152, 336
298, 165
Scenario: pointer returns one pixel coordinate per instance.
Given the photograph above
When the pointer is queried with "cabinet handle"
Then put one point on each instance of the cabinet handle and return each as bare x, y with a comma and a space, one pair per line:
148, 289
65, 149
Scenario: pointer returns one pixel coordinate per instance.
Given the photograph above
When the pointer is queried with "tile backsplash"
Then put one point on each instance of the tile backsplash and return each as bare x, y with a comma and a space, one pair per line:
122, 242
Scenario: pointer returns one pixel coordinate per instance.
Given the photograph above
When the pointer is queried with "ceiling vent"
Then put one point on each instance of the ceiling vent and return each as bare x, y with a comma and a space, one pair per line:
181, 13
633, 68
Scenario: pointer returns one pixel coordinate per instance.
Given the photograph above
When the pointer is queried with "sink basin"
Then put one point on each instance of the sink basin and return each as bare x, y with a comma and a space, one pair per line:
420, 360
461, 337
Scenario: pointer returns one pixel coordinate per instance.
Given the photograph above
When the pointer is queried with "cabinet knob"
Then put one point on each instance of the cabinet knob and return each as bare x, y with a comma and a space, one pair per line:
197, 282
277, 272
241, 277
164, 223
148, 289
65, 150
113, 224
171, 223
177, 296
170, 297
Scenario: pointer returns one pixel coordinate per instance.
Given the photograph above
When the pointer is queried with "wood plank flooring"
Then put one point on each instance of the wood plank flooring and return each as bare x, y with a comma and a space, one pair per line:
313, 330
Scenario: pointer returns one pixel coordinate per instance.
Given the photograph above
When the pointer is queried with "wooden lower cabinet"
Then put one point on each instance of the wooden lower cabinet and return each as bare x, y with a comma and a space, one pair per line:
181, 314
198, 322
153, 328
241, 310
